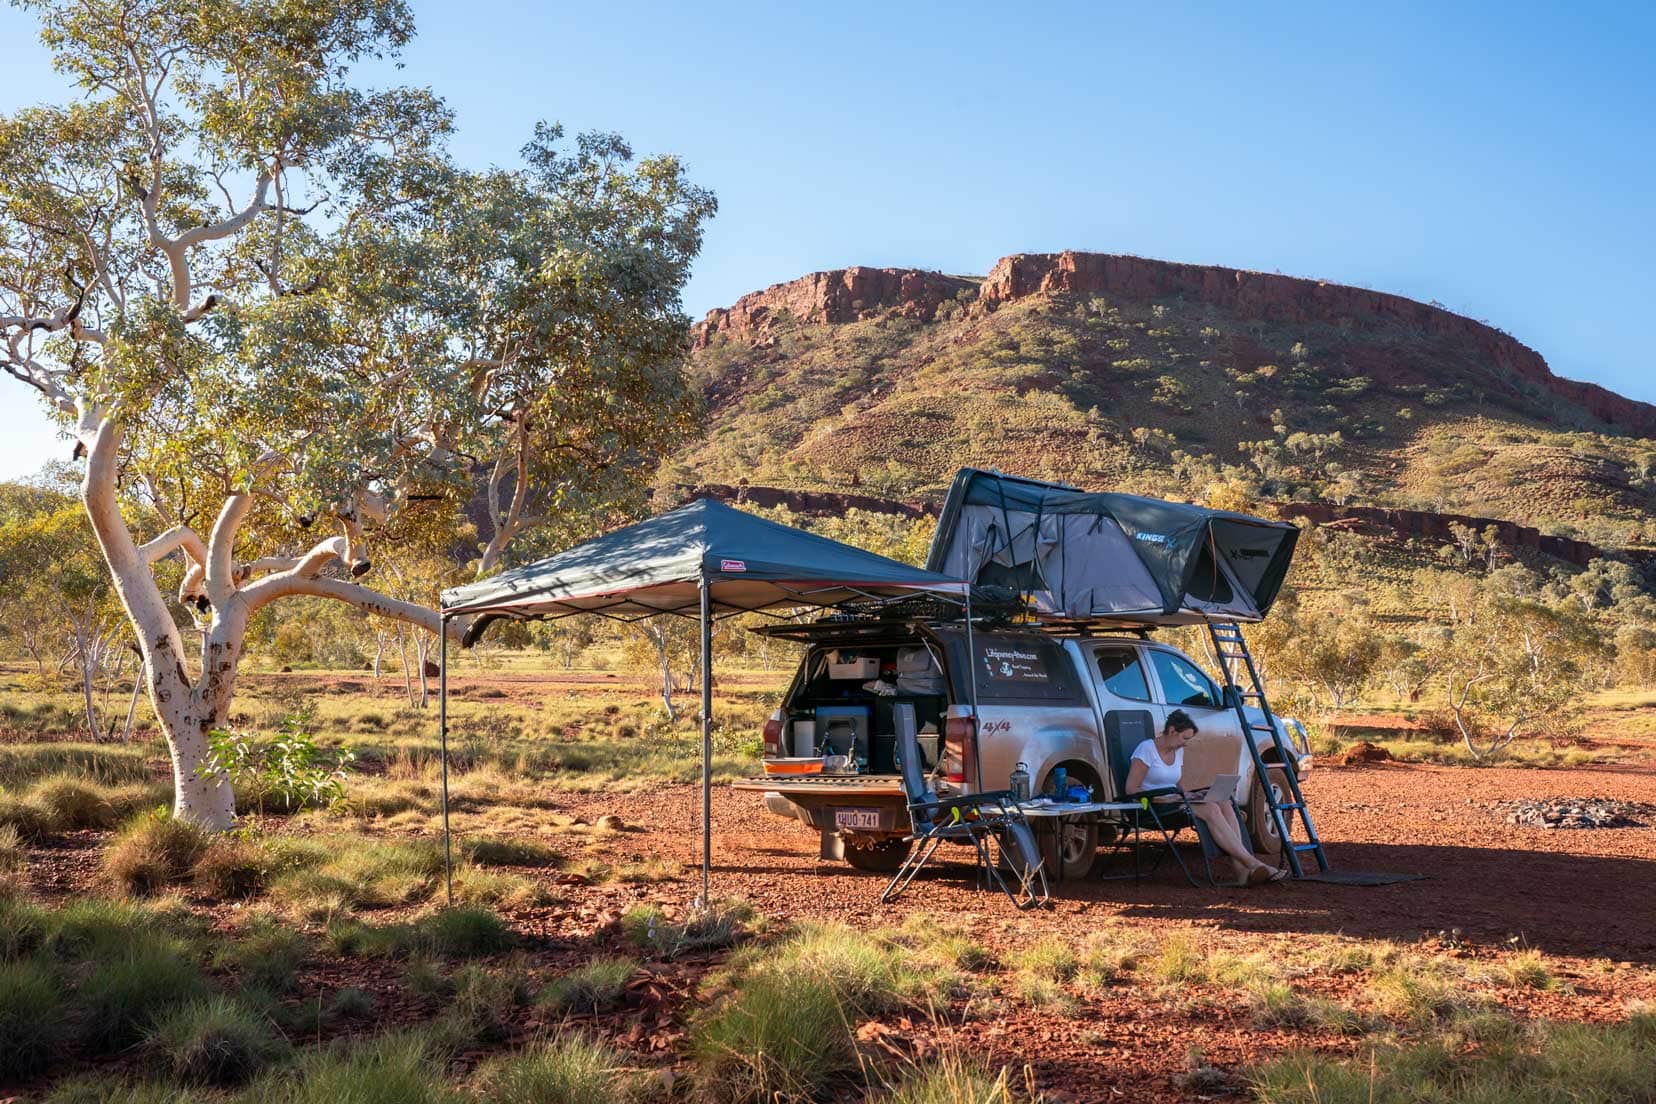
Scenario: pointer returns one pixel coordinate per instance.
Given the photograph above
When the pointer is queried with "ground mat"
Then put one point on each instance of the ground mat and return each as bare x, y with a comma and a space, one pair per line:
1361, 877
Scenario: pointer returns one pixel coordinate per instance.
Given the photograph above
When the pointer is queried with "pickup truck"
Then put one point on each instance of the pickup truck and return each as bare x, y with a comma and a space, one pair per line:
1042, 700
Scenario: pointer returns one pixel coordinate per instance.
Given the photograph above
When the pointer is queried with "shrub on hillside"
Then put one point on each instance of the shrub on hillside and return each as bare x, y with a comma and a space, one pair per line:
153, 852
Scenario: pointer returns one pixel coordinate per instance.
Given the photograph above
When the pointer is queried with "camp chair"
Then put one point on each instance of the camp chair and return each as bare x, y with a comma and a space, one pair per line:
1167, 811
973, 819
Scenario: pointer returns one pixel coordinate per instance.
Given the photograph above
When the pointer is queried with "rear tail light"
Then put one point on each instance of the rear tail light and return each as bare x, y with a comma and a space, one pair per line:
959, 747
773, 737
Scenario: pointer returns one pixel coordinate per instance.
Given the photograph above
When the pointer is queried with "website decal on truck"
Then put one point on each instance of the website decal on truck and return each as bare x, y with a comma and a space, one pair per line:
1014, 664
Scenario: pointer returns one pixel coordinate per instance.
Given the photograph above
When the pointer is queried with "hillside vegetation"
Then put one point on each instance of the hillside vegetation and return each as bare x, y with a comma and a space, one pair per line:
890, 388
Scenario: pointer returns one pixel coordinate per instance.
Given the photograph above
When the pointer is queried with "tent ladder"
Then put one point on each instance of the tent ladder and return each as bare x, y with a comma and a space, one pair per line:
1236, 665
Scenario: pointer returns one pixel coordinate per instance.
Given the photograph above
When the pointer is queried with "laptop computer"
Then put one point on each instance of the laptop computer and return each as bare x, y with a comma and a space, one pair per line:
1223, 788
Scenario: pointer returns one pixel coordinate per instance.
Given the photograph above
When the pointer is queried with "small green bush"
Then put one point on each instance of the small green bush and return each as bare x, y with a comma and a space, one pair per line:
465, 932
778, 1036
72, 803
153, 852
510, 852
481, 1008
33, 1017
393, 1069
599, 986
106, 1089
24, 926
351, 1003
216, 1041
232, 868
569, 1071
13, 855
24, 816
265, 956
123, 993
951, 1081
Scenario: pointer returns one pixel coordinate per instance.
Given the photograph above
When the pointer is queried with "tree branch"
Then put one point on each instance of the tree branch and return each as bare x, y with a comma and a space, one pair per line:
292, 583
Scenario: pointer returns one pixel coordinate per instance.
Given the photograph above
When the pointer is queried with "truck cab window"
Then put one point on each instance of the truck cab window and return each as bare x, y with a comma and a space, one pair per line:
1183, 683
1121, 674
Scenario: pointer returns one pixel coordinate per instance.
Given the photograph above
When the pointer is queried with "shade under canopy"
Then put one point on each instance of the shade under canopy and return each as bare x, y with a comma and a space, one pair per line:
1079, 554
702, 560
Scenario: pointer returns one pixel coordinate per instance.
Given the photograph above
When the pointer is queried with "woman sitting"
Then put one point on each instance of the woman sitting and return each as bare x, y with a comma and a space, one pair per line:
1158, 764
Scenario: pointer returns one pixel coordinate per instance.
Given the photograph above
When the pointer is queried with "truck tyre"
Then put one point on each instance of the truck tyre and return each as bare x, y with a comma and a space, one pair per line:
1266, 843
881, 856
1069, 848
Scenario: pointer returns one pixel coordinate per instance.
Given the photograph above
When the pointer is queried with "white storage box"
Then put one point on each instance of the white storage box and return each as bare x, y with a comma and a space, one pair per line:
849, 665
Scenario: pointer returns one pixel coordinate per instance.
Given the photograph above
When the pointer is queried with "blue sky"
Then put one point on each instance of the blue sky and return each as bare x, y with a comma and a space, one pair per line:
1498, 159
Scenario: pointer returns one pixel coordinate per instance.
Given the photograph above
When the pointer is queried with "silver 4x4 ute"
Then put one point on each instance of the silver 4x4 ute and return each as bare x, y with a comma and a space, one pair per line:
1043, 701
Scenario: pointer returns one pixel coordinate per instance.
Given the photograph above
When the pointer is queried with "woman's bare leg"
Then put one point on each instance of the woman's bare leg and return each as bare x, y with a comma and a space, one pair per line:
1226, 832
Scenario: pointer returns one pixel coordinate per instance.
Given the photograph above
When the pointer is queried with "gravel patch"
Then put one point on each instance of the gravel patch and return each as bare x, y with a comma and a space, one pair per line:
1575, 812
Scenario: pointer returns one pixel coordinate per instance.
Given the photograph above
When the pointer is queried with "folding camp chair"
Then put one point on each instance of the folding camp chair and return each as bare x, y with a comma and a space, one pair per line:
1164, 812
972, 819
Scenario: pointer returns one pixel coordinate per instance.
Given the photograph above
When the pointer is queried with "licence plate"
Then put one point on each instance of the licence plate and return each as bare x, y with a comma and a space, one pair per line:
856, 818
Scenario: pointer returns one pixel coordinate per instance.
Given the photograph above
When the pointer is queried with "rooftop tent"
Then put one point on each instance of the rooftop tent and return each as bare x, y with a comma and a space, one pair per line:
704, 560
1084, 555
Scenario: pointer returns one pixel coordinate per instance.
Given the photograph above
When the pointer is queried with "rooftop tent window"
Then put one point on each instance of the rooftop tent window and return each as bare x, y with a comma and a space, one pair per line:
1208, 582
1122, 675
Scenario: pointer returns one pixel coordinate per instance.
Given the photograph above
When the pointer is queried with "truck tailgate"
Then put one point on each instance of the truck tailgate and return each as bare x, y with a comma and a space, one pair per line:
849, 786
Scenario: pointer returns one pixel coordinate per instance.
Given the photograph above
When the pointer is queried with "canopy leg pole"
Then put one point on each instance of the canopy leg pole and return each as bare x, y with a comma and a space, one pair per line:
442, 739
971, 660
707, 737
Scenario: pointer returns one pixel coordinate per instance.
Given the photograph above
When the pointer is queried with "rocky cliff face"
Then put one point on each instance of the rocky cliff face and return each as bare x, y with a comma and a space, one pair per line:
857, 293
847, 295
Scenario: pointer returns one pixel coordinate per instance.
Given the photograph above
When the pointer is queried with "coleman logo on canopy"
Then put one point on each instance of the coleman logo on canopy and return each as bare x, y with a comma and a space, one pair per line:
732, 565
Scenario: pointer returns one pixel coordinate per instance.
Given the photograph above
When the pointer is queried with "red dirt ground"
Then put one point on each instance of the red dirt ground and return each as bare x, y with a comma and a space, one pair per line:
1579, 894
1587, 895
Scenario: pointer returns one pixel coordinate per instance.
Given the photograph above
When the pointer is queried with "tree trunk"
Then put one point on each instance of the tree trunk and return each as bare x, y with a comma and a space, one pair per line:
184, 713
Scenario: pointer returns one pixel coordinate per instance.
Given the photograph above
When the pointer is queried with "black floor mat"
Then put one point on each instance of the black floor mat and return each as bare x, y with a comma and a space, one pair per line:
1361, 877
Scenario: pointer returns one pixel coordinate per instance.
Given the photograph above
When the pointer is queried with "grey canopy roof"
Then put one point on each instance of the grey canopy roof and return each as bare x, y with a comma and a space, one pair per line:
657, 565
1085, 555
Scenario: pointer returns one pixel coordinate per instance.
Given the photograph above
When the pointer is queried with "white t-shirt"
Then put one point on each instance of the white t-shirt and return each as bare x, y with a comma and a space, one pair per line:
1160, 776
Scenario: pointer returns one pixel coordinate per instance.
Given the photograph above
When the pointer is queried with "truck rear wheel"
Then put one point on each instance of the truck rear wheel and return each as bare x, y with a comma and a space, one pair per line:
1070, 848
877, 856
1261, 826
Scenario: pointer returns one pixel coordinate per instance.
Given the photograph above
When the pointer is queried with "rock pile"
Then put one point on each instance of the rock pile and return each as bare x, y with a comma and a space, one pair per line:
1575, 812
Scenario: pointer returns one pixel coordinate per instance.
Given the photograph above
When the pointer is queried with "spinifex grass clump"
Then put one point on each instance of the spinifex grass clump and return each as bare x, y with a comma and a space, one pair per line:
599, 986
34, 1017
216, 1041
153, 852
569, 1071
1539, 1063
392, 1069
784, 1026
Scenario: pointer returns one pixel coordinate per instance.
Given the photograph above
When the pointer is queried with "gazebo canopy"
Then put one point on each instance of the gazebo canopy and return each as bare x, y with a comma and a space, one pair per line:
657, 566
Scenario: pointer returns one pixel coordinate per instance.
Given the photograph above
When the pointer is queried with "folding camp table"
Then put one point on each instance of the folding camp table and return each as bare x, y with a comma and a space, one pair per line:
1045, 808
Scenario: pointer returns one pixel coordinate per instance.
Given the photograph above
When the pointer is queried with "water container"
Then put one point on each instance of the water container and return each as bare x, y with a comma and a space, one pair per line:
1019, 783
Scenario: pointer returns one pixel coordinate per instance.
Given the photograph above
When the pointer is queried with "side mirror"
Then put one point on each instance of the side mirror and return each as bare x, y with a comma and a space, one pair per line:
1231, 696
